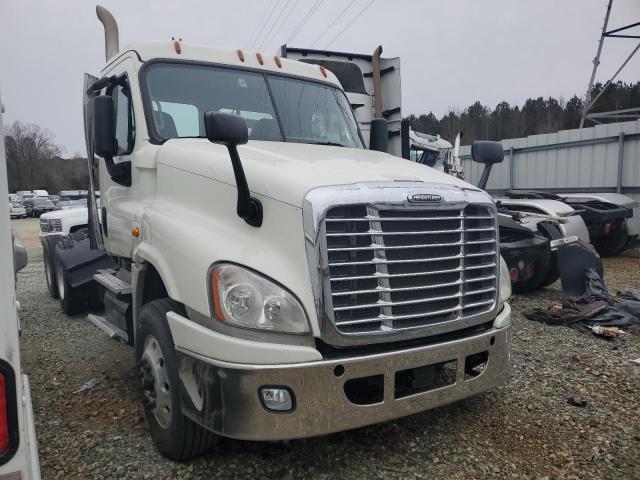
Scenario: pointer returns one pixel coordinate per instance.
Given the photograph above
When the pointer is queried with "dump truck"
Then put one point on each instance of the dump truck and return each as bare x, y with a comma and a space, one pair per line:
277, 278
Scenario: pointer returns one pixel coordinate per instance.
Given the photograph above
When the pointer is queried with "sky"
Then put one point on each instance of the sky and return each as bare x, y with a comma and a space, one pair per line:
453, 52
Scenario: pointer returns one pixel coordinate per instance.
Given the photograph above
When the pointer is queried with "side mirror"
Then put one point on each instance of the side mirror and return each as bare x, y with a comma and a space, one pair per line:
484, 151
231, 131
379, 135
225, 129
104, 127
489, 153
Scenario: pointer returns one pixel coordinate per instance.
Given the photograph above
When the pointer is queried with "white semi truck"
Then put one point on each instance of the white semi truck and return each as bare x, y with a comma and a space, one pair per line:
18, 446
278, 279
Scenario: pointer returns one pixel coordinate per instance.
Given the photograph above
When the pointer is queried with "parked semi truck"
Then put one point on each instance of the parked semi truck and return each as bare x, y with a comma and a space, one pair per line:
18, 446
278, 279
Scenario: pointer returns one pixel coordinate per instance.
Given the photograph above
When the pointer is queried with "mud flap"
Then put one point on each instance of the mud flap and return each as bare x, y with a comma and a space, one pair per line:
79, 261
574, 260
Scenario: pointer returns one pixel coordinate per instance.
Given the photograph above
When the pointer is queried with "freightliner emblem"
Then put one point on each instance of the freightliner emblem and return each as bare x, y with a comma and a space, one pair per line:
424, 198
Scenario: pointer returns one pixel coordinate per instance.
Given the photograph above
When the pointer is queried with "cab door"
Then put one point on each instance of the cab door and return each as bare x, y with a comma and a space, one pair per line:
117, 208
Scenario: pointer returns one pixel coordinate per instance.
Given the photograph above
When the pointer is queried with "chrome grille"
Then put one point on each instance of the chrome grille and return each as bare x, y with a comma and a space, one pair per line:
395, 269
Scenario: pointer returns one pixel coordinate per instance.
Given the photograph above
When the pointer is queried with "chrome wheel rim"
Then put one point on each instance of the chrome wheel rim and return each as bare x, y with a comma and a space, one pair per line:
155, 382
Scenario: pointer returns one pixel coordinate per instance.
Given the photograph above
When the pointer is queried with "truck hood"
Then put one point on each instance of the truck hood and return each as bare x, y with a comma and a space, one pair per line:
66, 214
287, 171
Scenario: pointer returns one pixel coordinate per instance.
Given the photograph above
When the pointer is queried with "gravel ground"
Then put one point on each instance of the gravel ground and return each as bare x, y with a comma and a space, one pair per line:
524, 429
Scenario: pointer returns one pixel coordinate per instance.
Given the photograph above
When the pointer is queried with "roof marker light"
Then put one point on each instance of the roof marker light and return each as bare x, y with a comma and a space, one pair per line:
259, 57
240, 55
324, 71
277, 60
176, 45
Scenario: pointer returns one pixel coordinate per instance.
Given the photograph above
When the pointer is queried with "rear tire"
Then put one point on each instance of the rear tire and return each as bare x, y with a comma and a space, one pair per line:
48, 257
541, 268
612, 244
70, 298
175, 435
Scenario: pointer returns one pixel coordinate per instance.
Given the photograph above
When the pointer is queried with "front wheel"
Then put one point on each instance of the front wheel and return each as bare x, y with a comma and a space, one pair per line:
175, 435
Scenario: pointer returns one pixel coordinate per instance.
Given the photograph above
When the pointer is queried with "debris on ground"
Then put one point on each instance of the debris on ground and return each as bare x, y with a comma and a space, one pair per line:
596, 308
577, 402
88, 385
607, 332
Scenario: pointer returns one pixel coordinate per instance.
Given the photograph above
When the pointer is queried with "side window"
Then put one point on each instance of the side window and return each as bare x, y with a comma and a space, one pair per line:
125, 123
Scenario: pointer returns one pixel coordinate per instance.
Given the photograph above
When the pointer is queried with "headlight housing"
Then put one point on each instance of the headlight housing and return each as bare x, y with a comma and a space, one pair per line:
505, 283
246, 299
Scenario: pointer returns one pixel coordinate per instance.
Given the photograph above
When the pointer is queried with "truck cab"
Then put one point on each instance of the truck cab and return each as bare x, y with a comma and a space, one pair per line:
276, 278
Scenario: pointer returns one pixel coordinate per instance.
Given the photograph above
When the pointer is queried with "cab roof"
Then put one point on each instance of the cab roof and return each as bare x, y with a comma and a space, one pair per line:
176, 50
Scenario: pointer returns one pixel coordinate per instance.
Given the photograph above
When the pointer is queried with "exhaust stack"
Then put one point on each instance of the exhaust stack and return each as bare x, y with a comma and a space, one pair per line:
111, 40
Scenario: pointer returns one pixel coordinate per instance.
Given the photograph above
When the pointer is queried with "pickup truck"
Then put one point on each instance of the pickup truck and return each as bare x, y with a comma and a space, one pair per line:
277, 278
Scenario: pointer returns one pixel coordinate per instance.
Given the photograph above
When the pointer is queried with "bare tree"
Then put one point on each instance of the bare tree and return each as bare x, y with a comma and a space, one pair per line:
30, 148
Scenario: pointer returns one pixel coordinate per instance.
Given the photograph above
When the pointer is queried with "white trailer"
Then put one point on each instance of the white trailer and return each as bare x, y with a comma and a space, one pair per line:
18, 447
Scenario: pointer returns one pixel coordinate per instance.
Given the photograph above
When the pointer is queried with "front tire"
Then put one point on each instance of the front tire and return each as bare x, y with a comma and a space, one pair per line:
175, 435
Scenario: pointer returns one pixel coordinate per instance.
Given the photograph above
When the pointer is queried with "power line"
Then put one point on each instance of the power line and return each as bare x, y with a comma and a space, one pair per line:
288, 15
273, 24
275, 4
306, 18
260, 18
350, 23
332, 23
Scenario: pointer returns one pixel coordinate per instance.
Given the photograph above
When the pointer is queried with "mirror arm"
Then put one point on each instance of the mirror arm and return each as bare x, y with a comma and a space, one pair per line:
119, 172
484, 178
249, 208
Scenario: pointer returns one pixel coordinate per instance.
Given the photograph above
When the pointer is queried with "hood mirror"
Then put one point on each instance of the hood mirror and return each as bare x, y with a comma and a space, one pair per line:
231, 131
379, 135
489, 153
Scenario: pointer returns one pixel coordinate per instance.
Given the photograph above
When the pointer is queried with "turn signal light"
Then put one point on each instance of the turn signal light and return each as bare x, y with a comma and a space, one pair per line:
135, 231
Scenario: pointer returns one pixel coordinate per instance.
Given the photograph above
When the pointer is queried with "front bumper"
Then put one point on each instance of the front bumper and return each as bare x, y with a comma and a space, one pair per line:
223, 397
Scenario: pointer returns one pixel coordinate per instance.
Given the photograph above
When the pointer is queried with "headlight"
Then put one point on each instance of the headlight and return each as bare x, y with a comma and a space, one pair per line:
54, 225
245, 299
505, 283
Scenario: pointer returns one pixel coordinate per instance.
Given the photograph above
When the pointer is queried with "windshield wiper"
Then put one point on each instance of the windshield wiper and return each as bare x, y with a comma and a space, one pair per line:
321, 142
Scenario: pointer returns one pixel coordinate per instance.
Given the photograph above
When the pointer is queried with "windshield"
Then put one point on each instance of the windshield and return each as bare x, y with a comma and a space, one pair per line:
73, 203
275, 107
41, 201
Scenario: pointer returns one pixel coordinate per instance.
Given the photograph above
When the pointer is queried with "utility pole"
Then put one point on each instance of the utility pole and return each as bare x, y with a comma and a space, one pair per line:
596, 61
589, 102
